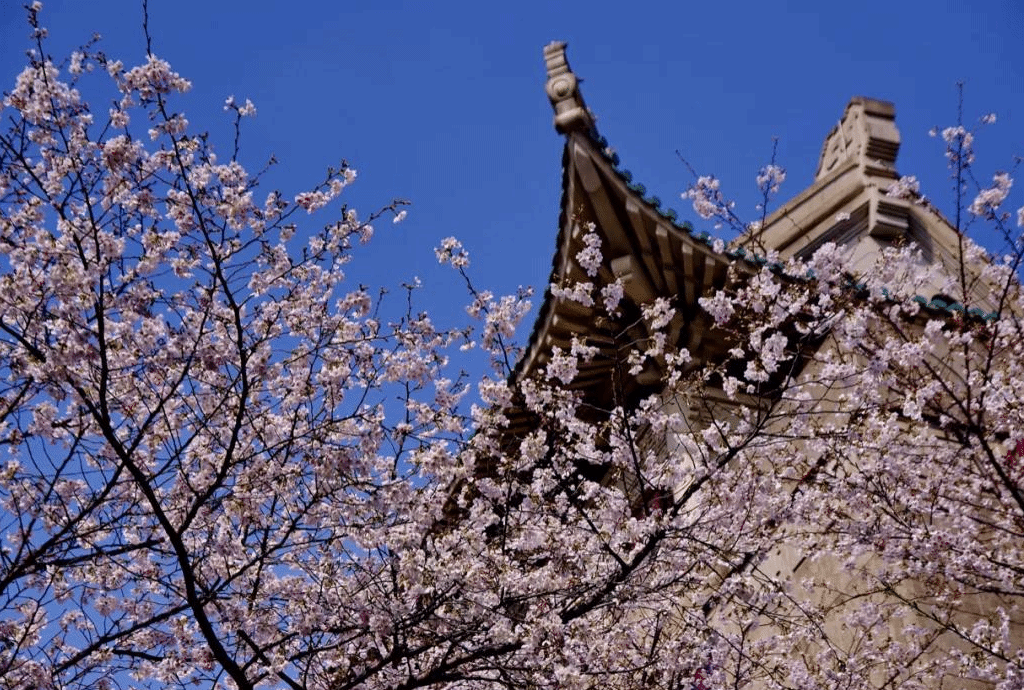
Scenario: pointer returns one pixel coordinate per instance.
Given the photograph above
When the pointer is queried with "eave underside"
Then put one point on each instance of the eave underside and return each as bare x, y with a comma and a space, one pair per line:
643, 248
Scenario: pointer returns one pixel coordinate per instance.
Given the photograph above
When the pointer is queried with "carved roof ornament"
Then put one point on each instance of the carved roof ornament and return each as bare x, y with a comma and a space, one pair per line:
571, 113
866, 134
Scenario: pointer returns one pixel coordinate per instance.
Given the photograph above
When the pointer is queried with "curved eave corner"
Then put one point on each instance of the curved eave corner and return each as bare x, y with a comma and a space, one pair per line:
644, 246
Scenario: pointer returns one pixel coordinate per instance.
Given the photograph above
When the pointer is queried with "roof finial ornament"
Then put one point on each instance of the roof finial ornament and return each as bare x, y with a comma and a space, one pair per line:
571, 113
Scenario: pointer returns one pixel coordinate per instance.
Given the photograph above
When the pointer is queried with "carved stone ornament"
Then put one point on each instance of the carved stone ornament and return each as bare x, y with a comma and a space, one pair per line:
571, 113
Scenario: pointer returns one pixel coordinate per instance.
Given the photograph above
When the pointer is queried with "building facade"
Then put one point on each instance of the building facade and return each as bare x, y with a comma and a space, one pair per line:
651, 254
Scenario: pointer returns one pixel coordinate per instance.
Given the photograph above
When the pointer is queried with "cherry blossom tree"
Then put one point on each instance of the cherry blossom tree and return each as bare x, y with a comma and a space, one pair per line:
227, 467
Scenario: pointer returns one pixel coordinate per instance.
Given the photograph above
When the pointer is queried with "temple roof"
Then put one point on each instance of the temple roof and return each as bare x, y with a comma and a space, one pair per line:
653, 254
643, 245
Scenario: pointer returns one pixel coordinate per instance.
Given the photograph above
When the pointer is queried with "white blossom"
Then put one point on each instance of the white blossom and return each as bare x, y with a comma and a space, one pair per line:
562, 366
907, 187
589, 257
770, 178
658, 314
707, 198
719, 306
451, 252
611, 295
989, 200
581, 293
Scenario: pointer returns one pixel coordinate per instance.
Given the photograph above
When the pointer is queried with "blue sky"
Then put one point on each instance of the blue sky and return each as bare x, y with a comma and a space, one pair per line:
443, 103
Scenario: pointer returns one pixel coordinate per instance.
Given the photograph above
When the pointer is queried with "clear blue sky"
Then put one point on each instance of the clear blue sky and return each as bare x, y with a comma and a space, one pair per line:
442, 103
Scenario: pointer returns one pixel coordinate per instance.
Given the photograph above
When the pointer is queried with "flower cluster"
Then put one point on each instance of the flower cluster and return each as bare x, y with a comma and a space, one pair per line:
959, 143
451, 252
581, 293
907, 187
770, 178
589, 257
988, 201
611, 295
658, 314
245, 110
708, 200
